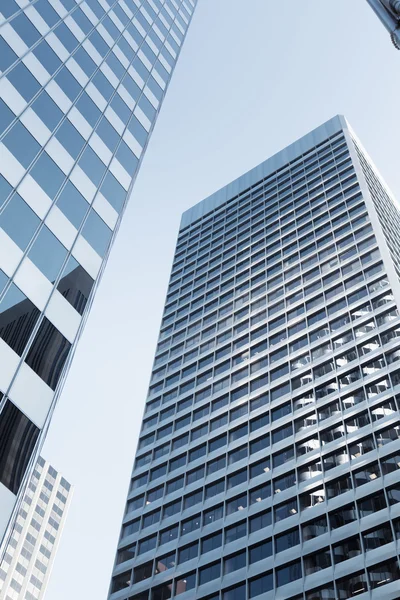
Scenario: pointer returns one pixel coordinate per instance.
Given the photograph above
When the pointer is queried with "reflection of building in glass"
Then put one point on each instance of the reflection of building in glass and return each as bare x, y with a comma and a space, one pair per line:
268, 465
81, 85
32, 546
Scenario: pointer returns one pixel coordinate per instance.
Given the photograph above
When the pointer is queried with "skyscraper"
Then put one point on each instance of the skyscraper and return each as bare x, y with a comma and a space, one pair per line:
81, 84
31, 550
268, 463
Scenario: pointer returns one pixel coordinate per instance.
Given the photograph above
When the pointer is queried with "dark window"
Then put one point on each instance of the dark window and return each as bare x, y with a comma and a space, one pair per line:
18, 437
234, 562
288, 574
347, 549
236, 593
209, 573
166, 562
352, 586
186, 583
163, 592
75, 285
261, 551
18, 317
211, 543
260, 521
188, 552
120, 582
261, 585
143, 572
383, 573
287, 540
48, 353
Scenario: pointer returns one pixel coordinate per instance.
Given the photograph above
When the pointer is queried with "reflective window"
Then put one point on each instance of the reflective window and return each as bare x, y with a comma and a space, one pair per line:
47, 110
7, 56
48, 254
48, 353
18, 317
75, 285
47, 57
21, 144
47, 174
92, 165
19, 221
6, 116
18, 437
113, 191
69, 137
73, 204
96, 232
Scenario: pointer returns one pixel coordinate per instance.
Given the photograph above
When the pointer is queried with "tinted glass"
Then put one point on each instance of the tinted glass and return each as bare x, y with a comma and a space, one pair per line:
48, 353
18, 317
18, 437
75, 285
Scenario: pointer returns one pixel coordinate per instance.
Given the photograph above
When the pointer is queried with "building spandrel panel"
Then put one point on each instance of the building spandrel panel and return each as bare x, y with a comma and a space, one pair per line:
81, 86
268, 460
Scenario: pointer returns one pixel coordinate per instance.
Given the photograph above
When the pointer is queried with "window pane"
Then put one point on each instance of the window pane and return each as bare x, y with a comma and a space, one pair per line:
18, 437
18, 317
48, 353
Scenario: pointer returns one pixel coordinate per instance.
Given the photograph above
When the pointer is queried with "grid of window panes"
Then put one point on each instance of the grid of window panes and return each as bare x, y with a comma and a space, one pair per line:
386, 209
31, 548
81, 84
272, 415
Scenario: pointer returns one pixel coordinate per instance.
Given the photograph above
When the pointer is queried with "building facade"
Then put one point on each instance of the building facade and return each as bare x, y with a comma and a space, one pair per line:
31, 549
268, 463
81, 85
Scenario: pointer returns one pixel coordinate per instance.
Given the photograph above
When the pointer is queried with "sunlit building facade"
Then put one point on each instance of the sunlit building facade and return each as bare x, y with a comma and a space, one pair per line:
81, 85
31, 549
268, 463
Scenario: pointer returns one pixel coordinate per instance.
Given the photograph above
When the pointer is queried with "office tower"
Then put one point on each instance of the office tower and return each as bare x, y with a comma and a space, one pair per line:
30, 551
268, 464
388, 12
81, 85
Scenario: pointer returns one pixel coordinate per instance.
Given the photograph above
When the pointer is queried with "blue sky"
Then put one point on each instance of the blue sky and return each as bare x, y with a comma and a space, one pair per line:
253, 76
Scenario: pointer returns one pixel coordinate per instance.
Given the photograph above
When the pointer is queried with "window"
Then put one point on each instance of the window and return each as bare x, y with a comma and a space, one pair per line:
211, 543
352, 586
261, 551
185, 583
97, 233
235, 562
209, 573
383, 573
188, 552
48, 353
19, 221
287, 540
18, 317
75, 285
18, 436
288, 574
48, 254
261, 585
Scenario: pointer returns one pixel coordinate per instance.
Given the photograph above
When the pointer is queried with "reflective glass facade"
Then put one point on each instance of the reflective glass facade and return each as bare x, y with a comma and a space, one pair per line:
31, 550
268, 464
81, 85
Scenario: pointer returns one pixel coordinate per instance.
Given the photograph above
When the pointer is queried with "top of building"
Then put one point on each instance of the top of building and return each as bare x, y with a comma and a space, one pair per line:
263, 170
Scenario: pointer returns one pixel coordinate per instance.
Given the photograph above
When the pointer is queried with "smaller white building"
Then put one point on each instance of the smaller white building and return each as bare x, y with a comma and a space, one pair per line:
31, 549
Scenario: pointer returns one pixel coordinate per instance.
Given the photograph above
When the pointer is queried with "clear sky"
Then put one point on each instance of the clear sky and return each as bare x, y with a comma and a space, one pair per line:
253, 76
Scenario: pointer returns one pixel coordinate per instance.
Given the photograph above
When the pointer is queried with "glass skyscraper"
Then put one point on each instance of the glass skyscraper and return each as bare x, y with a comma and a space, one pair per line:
268, 464
81, 84
31, 549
